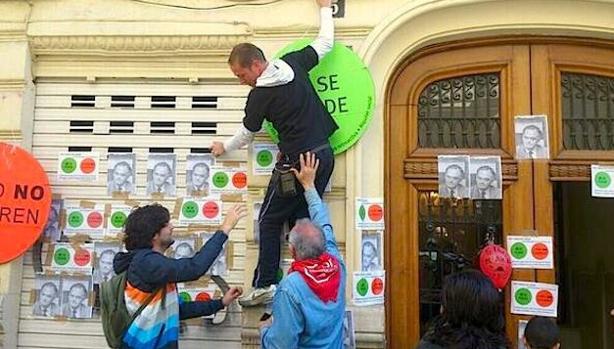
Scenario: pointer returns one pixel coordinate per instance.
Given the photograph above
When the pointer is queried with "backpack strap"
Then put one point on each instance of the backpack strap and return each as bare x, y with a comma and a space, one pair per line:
146, 303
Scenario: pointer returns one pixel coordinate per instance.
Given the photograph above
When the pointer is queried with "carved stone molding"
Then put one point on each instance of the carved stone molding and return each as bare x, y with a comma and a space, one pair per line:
416, 169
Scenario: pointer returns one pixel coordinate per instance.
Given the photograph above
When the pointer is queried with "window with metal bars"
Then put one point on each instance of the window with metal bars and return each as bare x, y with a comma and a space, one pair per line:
587, 104
460, 112
451, 233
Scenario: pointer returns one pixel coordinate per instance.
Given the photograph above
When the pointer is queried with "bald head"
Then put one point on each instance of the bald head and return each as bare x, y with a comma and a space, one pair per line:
307, 240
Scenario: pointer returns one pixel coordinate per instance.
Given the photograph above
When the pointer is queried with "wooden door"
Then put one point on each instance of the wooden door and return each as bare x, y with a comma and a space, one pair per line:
435, 101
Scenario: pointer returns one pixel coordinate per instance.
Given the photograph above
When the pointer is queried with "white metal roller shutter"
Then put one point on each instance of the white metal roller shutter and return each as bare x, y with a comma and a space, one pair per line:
141, 115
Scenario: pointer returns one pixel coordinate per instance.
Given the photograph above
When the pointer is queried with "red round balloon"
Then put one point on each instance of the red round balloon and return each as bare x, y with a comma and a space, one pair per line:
496, 264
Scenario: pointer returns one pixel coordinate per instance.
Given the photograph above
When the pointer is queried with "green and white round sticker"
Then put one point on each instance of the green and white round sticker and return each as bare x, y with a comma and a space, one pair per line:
346, 89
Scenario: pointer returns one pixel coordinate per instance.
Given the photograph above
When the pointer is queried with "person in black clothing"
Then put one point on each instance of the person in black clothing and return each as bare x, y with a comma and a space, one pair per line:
282, 94
471, 315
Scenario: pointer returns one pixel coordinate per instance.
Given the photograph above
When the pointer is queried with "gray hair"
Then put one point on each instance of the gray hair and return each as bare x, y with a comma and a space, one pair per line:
307, 239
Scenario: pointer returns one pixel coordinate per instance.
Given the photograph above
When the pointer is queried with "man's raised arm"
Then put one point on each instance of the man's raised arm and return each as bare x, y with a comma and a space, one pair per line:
324, 42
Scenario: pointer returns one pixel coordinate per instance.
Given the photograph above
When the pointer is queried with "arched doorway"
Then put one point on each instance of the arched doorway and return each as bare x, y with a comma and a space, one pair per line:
461, 99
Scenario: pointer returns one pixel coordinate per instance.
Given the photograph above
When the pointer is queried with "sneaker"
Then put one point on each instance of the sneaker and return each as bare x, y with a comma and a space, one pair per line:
258, 296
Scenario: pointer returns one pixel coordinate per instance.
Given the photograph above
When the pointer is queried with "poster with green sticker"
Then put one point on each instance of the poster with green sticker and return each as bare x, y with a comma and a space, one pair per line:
602, 181
85, 221
190, 293
116, 218
530, 252
81, 167
225, 180
345, 87
72, 257
205, 210
534, 298
368, 287
264, 156
369, 214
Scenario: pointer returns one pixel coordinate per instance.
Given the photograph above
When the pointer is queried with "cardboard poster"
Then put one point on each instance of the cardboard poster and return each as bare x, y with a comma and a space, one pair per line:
76, 297
220, 265
369, 214
121, 173
453, 177
116, 218
226, 180
531, 134
201, 211
103, 266
264, 158
46, 296
192, 294
198, 170
371, 250
184, 247
86, 221
73, 258
83, 167
602, 184
531, 252
368, 287
534, 298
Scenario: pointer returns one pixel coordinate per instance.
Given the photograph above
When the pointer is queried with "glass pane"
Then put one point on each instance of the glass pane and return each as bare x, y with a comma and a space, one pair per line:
588, 111
451, 232
461, 112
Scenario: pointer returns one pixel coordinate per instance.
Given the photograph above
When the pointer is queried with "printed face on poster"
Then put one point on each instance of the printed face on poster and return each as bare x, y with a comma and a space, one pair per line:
534, 298
370, 214
53, 229
47, 296
198, 171
201, 211
264, 158
161, 174
531, 137
103, 267
530, 252
75, 297
85, 221
228, 180
220, 265
602, 181
184, 247
371, 250
82, 167
486, 179
121, 173
368, 287
453, 176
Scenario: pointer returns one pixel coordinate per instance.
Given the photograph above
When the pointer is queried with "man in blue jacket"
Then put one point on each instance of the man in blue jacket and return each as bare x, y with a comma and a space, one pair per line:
148, 233
309, 304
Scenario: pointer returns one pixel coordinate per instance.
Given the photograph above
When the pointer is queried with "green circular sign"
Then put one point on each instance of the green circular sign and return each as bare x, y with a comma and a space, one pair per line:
602, 179
264, 158
523, 296
190, 209
220, 179
346, 89
61, 256
185, 296
519, 250
118, 219
75, 219
362, 287
69, 165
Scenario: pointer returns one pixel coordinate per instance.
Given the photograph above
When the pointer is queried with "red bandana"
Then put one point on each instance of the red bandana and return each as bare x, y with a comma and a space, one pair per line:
321, 275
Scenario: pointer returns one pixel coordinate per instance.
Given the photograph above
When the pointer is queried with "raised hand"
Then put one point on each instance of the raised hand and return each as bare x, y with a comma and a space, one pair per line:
233, 216
217, 148
309, 167
232, 294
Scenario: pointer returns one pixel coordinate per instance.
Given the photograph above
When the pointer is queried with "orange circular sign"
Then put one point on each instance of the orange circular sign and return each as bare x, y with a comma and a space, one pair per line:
544, 298
377, 286
203, 296
239, 180
539, 251
88, 165
25, 201
375, 212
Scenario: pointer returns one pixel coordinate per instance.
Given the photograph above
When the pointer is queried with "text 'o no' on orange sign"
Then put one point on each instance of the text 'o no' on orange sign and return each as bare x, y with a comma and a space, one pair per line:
25, 200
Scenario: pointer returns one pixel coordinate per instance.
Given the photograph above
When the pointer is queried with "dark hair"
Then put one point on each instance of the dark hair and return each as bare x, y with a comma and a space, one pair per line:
534, 128
472, 316
541, 333
455, 166
142, 224
79, 286
123, 163
50, 284
244, 54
